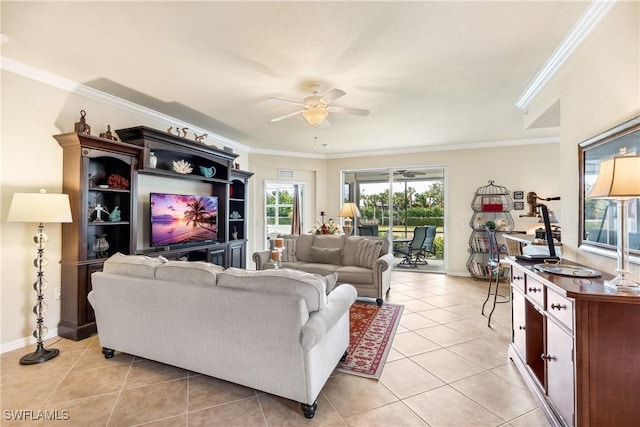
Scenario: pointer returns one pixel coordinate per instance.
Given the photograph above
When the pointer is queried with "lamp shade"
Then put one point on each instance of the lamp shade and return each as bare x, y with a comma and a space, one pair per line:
315, 116
39, 207
349, 209
619, 178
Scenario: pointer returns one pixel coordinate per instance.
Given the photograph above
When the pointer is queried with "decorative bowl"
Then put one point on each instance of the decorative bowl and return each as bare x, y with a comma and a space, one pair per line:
182, 166
207, 172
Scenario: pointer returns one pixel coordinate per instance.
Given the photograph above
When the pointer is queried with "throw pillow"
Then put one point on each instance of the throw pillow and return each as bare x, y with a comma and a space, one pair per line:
326, 255
309, 286
132, 265
330, 280
368, 252
197, 272
289, 253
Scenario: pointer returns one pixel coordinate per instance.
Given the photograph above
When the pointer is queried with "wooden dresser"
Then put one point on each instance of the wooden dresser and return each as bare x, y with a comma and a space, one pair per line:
577, 346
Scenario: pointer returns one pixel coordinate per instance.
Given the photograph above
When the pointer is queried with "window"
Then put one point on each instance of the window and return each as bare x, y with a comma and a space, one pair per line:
279, 198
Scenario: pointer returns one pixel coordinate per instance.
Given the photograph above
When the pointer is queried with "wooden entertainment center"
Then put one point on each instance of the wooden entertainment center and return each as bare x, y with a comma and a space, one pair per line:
101, 174
575, 343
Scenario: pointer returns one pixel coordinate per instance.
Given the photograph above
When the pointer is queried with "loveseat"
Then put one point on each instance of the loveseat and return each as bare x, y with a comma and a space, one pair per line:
276, 331
362, 261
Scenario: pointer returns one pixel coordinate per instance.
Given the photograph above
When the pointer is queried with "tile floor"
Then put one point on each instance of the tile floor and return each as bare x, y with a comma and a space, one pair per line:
446, 368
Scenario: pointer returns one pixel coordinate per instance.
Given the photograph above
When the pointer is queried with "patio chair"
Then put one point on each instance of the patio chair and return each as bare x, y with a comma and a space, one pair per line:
368, 230
412, 250
427, 246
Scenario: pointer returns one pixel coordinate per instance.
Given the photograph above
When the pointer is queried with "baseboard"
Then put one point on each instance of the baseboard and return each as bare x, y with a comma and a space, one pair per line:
25, 342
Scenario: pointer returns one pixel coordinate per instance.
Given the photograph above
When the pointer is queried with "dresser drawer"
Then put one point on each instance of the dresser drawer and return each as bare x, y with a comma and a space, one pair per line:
560, 308
517, 279
535, 291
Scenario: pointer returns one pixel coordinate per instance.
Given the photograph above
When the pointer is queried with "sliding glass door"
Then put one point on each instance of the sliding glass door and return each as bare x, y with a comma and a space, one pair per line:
395, 201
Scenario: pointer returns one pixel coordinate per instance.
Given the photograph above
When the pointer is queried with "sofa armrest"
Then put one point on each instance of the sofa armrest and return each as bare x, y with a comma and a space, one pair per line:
260, 258
383, 263
382, 274
338, 303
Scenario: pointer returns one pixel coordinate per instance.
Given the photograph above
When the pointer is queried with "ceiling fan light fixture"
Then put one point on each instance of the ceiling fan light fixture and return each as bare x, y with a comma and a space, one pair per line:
315, 115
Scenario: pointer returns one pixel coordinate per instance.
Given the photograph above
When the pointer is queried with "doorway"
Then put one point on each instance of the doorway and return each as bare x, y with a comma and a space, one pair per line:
396, 201
281, 200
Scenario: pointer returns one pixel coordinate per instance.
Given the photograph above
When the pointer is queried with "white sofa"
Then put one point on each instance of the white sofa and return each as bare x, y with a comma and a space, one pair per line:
362, 261
275, 331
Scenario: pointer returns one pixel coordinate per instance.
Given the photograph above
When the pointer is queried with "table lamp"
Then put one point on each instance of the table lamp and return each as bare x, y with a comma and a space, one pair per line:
349, 209
40, 208
619, 180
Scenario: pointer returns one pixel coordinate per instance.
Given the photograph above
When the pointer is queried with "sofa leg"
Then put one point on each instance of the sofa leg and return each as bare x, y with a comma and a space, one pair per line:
344, 356
108, 353
309, 410
379, 301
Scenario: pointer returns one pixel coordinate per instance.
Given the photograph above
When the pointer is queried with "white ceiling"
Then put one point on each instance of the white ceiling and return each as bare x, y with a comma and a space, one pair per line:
433, 74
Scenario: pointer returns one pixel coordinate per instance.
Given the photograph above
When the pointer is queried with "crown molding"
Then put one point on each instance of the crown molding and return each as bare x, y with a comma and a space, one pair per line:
587, 22
74, 87
413, 150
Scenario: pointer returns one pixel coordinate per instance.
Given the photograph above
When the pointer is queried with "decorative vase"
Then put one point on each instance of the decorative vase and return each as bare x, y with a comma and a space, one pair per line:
234, 235
101, 246
153, 160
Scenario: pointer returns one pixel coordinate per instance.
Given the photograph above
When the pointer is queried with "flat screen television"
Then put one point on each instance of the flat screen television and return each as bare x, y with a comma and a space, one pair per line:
179, 219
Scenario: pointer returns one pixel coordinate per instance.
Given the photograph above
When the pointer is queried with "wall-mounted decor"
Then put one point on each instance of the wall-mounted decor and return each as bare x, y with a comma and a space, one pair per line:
598, 225
518, 206
518, 195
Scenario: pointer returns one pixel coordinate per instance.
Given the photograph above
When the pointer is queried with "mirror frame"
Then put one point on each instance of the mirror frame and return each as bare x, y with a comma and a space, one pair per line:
591, 152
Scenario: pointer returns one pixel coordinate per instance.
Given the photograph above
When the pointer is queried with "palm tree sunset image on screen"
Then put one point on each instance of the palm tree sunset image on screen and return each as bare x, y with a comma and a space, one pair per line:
181, 219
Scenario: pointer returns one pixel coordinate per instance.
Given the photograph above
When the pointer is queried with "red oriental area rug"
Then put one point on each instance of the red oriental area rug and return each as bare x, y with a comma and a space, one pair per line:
372, 329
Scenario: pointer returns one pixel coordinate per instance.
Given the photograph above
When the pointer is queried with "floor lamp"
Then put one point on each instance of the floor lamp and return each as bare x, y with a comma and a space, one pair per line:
619, 180
40, 208
349, 210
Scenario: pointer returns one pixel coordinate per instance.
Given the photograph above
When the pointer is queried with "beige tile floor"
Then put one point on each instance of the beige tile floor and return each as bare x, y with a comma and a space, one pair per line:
446, 368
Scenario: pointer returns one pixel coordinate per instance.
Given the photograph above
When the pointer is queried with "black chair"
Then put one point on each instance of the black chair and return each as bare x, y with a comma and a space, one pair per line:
495, 271
427, 246
368, 230
411, 251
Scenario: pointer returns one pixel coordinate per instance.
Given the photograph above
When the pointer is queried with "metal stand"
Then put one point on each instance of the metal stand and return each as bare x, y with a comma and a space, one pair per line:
40, 331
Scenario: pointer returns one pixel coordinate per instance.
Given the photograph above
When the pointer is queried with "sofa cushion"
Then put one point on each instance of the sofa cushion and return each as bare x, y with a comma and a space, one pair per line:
325, 255
132, 265
311, 287
351, 243
303, 245
368, 252
328, 241
321, 269
198, 272
355, 275
289, 252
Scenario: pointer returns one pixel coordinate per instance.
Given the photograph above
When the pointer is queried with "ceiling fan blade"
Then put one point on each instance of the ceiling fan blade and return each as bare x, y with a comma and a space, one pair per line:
346, 110
332, 96
286, 116
285, 100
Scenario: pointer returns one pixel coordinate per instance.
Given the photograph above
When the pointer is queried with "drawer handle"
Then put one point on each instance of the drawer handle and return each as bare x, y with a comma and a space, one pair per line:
558, 307
546, 357
518, 277
522, 328
535, 290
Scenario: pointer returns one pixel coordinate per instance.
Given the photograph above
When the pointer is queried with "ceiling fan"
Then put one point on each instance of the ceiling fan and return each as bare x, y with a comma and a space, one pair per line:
406, 173
317, 108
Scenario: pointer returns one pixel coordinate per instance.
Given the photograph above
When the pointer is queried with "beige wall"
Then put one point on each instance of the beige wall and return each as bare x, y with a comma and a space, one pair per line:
524, 167
598, 87
312, 172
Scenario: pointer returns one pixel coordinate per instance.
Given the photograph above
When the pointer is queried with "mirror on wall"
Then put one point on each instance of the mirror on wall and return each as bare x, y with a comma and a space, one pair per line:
598, 229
